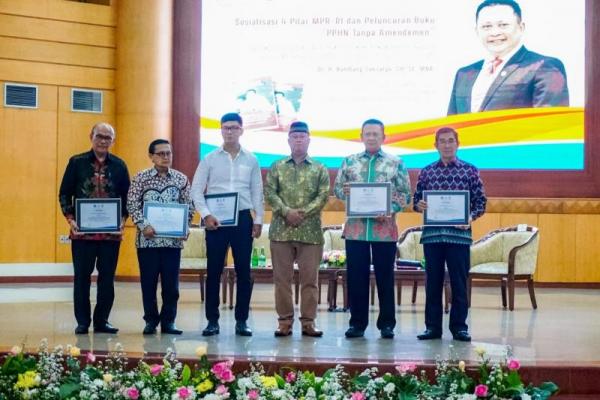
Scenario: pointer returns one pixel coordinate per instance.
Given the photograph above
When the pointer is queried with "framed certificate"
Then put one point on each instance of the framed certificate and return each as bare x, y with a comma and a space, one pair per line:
167, 219
368, 200
98, 215
446, 207
224, 207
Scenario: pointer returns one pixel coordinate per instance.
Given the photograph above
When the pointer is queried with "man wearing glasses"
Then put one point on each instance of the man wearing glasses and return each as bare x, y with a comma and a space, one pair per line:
158, 255
94, 174
230, 168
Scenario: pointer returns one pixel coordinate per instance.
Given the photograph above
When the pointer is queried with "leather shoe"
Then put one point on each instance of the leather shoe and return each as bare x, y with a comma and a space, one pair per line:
170, 329
312, 331
387, 333
241, 329
462, 336
149, 329
283, 330
353, 332
428, 334
81, 330
106, 328
211, 329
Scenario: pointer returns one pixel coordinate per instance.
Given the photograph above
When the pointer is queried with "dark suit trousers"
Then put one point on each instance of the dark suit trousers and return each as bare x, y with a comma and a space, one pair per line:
163, 261
457, 258
217, 242
87, 255
359, 257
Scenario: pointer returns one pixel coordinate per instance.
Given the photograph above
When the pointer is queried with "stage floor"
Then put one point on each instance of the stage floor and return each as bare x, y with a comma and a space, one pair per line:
566, 327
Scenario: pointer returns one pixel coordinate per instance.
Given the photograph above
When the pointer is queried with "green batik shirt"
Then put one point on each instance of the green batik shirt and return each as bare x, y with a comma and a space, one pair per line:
303, 186
380, 167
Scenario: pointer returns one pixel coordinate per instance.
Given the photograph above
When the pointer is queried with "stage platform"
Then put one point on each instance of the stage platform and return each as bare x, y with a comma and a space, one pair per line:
560, 341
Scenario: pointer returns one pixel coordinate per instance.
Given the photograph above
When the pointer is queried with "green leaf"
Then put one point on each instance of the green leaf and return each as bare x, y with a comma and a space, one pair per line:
280, 381
185, 375
67, 390
549, 387
514, 380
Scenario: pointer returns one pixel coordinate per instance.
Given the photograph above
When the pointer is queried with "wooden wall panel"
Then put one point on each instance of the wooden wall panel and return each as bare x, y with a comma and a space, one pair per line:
587, 250
556, 259
518, 218
57, 53
55, 74
56, 31
61, 10
28, 183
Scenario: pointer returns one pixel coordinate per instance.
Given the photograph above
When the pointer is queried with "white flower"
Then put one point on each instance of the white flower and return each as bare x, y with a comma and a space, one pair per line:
467, 397
147, 393
389, 388
525, 396
98, 383
245, 384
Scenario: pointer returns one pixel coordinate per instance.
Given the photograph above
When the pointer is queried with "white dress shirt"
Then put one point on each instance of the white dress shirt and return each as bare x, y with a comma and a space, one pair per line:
220, 173
486, 78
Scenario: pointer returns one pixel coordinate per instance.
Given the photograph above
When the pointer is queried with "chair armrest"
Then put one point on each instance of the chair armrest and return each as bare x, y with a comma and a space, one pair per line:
487, 250
522, 259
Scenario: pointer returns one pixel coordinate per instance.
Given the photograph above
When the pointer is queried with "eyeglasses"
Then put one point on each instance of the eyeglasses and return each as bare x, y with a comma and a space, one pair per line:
163, 154
231, 128
104, 138
301, 136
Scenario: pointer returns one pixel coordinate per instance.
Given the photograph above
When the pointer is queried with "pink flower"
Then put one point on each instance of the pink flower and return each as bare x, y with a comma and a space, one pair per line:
481, 390
184, 392
290, 377
358, 396
156, 369
221, 390
90, 357
405, 367
253, 394
133, 393
227, 376
513, 364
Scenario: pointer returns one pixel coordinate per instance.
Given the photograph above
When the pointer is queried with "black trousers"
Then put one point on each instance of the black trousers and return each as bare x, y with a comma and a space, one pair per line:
359, 257
87, 255
217, 242
457, 258
163, 261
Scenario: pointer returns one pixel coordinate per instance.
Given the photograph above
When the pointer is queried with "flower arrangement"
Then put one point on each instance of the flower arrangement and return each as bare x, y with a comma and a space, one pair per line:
334, 258
64, 373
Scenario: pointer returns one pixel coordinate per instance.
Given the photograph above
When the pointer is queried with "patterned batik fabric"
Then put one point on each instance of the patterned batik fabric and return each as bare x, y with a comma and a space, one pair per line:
303, 186
148, 185
456, 175
379, 167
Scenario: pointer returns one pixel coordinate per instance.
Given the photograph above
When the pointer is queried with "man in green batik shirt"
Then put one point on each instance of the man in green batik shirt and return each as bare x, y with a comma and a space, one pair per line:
297, 188
372, 241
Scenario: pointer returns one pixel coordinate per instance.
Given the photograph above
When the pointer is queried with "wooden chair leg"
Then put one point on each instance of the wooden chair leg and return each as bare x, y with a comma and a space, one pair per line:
202, 282
372, 290
333, 284
447, 297
231, 281
414, 292
469, 290
503, 291
297, 289
511, 293
399, 292
531, 292
345, 290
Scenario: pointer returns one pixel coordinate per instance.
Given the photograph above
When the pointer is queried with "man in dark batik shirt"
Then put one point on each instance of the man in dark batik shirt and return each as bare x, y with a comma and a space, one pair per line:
448, 246
94, 174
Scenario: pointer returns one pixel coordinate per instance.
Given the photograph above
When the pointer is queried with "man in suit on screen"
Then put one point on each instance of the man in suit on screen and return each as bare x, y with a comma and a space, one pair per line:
510, 76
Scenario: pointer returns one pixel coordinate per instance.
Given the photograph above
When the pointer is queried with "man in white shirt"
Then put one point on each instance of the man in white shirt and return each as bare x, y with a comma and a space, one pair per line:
230, 168
510, 76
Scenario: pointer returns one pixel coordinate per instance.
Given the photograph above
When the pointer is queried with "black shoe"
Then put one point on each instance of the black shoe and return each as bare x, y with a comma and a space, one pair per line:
429, 335
462, 336
81, 330
211, 329
353, 332
387, 333
170, 329
241, 329
106, 328
149, 329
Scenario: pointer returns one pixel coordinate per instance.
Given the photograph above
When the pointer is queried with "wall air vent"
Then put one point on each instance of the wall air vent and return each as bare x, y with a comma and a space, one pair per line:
86, 100
20, 96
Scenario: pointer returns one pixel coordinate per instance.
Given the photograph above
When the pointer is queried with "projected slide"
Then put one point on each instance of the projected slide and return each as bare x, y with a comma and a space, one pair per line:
416, 66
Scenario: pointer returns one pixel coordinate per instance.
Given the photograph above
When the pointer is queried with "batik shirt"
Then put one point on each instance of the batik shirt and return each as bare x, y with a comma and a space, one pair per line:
379, 167
303, 186
87, 178
456, 175
148, 185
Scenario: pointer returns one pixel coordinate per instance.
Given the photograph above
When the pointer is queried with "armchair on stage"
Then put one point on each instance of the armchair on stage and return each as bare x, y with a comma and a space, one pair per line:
507, 255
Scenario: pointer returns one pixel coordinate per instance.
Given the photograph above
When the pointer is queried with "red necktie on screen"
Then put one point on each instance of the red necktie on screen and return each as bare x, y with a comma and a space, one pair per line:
494, 64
